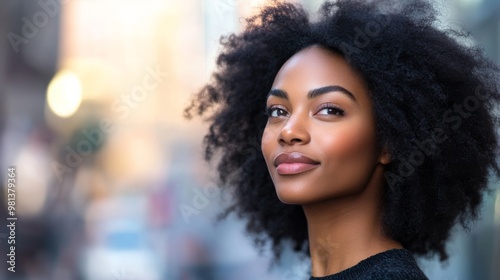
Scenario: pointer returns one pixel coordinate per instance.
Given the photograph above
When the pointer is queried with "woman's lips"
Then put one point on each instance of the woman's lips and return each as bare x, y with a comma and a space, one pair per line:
293, 163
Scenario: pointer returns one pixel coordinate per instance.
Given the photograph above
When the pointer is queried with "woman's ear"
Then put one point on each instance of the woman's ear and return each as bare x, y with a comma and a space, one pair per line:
384, 157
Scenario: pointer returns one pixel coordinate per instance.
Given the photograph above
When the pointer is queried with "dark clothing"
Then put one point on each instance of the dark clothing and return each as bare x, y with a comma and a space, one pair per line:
389, 265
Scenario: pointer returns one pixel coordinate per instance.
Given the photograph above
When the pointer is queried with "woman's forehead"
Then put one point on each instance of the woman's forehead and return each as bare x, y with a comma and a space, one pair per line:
316, 67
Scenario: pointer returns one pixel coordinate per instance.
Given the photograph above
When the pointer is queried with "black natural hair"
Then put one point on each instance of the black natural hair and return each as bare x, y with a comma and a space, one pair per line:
433, 101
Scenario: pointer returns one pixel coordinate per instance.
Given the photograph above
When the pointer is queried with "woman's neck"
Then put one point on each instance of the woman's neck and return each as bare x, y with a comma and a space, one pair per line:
344, 231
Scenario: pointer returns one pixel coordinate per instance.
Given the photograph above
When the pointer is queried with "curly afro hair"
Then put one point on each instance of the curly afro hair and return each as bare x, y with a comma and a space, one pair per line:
433, 101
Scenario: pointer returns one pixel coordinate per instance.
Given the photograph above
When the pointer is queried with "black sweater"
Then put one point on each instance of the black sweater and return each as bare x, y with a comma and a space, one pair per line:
389, 265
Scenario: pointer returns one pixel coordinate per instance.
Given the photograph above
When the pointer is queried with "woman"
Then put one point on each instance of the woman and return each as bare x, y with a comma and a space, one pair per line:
376, 130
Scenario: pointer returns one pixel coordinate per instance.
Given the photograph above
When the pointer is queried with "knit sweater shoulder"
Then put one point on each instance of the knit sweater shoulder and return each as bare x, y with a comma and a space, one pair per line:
389, 265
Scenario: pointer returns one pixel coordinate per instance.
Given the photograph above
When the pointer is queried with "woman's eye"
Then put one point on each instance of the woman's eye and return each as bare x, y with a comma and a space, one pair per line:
276, 112
331, 110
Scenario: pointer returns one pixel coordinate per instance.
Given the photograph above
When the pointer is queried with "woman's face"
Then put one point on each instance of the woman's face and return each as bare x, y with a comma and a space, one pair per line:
319, 142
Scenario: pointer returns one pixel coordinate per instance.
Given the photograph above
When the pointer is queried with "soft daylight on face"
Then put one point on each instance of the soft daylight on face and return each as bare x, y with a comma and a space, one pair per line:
320, 145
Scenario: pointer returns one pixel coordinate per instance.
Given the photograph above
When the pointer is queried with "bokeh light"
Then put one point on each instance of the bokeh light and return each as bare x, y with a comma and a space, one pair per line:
64, 94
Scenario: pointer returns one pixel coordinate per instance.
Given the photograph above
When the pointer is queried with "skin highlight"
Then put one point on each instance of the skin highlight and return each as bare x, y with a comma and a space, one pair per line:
320, 107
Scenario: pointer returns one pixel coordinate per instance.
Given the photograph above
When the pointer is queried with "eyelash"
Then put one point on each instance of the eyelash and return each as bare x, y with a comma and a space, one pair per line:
337, 111
270, 109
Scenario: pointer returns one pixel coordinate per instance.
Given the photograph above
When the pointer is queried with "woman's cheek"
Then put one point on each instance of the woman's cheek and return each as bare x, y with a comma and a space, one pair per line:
266, 143
348, 140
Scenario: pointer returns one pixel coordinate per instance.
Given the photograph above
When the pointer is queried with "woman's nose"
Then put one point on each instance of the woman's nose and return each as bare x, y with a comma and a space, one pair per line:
294, 132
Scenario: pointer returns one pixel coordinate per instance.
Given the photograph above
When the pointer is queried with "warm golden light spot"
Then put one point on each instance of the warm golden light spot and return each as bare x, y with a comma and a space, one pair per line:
64, 93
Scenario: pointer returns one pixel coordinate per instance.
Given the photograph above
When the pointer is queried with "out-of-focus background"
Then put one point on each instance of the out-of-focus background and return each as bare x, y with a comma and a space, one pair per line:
110, 178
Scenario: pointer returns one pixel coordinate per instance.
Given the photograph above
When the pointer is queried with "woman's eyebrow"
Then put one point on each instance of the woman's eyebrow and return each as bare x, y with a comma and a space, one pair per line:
315, 92
278, 93
322, 90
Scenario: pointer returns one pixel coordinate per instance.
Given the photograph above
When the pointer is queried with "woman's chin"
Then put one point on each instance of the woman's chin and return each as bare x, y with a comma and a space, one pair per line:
294, 198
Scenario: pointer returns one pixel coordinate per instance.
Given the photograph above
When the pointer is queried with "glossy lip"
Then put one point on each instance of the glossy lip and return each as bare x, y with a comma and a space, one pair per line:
293, 163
